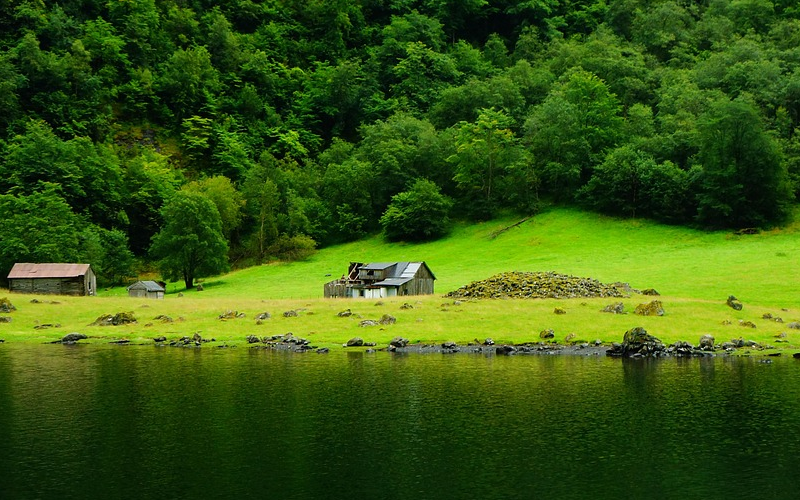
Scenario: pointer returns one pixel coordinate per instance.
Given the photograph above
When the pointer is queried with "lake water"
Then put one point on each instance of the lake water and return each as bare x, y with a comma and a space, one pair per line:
108, 422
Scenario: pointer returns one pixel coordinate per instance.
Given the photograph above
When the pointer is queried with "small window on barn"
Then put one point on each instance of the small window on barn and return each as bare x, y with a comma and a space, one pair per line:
370, 273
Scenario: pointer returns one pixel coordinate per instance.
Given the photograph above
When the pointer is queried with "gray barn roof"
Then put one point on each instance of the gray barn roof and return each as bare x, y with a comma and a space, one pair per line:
150, 286
401, 272
50, 270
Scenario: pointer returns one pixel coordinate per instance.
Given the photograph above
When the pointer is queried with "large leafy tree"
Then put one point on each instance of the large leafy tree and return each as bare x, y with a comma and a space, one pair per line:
419, 214
571, 130
487, 152
743, 180
39, 227
630, 182
191, 244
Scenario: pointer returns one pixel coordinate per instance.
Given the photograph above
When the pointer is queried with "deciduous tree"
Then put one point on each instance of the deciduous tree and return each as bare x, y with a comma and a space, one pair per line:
190, 245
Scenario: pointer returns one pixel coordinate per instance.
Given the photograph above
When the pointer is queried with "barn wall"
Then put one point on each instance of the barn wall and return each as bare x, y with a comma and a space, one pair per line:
49, 286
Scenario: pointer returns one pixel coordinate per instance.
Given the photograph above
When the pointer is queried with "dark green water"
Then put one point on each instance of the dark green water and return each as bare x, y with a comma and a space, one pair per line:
89, 422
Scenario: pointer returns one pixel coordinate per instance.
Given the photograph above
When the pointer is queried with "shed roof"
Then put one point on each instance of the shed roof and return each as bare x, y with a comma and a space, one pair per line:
378, 265
50, 270
393, 281
403, 271
150, 286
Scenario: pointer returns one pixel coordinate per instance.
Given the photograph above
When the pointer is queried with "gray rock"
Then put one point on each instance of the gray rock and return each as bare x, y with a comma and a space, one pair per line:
6, 306
734, 303
707, 341
505, 350
355, 342
653, 308
73, 337
398, 342
615, 308
387, 319
547, 334
368, 322
637, 343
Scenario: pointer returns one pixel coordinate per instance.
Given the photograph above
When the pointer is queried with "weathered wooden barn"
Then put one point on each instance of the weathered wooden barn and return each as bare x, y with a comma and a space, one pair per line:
382, 279
58, 279
146, 289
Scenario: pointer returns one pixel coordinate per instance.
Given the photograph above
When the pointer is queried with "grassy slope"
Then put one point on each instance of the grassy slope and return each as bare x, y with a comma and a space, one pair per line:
694, 271
674, 260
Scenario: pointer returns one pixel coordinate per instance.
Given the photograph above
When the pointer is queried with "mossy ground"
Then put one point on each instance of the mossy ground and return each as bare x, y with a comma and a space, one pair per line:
694, 271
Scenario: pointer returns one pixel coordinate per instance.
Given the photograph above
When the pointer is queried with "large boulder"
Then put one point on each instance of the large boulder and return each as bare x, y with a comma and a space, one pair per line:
355, 342
637, 342
734, 303
707, 341
653, 308
398, 342
73, 337
547, 334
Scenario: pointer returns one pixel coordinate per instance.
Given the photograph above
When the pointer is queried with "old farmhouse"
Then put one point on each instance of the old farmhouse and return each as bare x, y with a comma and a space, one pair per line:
59, 279
382, 279
146, 289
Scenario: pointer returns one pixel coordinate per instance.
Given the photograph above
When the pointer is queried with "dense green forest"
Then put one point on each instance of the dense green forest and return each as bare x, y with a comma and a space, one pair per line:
179, 131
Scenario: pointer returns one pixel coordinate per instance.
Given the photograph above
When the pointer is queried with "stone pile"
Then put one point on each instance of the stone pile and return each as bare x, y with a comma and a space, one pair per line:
535, 285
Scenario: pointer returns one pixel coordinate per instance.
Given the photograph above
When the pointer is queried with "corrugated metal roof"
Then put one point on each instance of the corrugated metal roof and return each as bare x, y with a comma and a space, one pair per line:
150, 286
377, 265
29, 270
401, 269
393, 282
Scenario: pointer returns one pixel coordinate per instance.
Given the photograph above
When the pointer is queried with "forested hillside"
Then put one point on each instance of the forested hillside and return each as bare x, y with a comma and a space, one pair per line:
198, 133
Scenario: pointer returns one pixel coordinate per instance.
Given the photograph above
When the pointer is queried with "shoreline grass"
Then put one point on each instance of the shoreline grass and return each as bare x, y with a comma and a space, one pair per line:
695, 271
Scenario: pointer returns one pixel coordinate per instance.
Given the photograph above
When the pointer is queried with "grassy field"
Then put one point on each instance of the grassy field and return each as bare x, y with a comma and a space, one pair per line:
694, 271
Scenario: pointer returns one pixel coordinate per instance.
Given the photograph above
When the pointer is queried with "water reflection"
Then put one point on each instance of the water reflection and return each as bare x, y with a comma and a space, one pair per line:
135, 422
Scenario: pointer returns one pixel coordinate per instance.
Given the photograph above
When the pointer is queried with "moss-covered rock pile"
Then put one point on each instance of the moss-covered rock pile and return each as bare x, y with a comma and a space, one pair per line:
535, 285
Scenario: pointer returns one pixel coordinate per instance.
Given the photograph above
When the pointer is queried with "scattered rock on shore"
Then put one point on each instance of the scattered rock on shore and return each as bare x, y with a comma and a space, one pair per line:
73, 337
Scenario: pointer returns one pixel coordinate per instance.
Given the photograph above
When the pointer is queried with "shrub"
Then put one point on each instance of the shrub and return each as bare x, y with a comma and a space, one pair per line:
421, 213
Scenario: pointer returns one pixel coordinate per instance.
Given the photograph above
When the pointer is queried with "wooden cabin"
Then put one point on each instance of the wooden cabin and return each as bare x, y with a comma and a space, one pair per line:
56, 279
382, 279
146, 289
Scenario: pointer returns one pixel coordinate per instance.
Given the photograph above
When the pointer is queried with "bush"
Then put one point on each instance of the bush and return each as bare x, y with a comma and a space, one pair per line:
419, 214
292, 248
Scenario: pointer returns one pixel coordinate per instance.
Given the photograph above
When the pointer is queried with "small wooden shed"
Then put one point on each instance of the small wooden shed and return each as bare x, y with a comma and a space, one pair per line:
52, 278
382, 279
146, 289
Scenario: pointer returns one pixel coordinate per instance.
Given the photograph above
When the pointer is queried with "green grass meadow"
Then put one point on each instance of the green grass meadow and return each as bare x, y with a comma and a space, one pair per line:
694, 271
